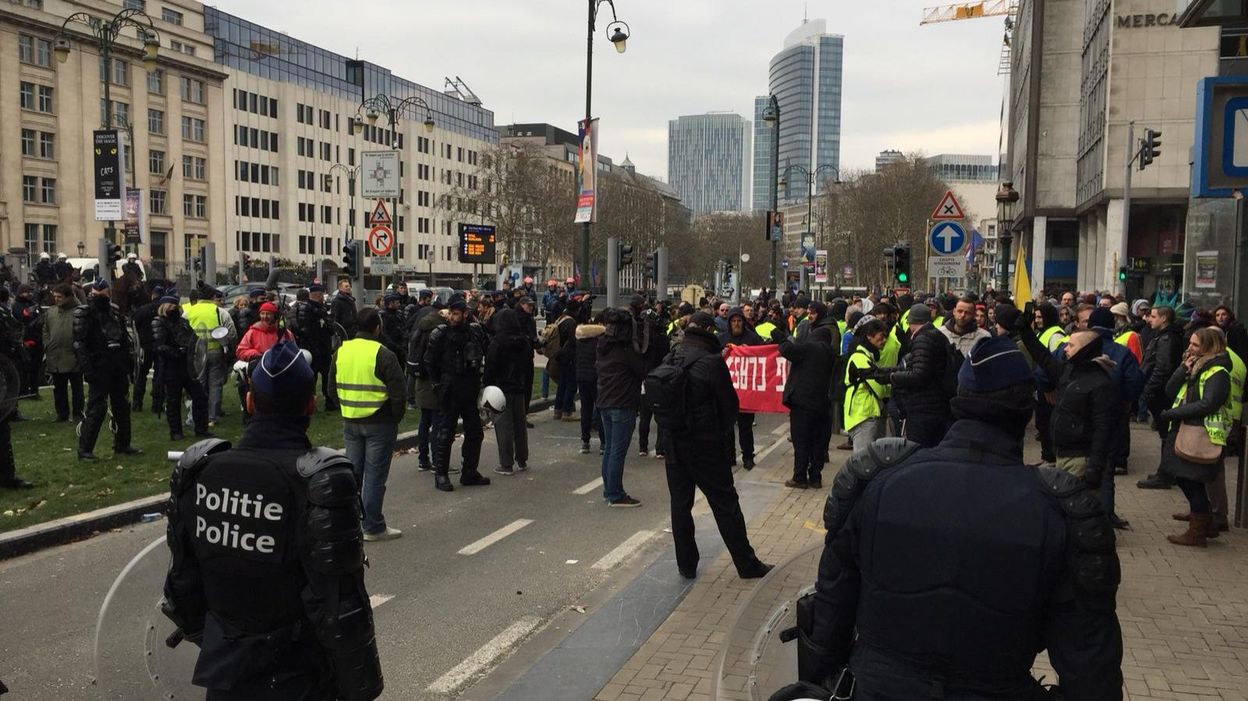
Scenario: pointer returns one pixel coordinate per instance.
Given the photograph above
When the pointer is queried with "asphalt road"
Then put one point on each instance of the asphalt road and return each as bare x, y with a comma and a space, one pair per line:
475, 574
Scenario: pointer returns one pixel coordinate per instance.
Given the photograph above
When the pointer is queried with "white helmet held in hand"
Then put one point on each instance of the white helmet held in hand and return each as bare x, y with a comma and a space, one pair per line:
493, 400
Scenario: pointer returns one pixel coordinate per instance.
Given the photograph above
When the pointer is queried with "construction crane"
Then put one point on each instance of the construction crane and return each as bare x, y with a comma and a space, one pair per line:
977, 10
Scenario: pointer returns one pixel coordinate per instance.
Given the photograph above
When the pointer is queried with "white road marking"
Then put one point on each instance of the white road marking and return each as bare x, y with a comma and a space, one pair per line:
768, 450
623, 550
378, 599
484, 656
780, 430
474, 548
587, 488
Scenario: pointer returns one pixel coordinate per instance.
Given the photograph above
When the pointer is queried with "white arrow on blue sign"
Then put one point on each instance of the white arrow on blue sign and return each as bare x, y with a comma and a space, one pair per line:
947, 238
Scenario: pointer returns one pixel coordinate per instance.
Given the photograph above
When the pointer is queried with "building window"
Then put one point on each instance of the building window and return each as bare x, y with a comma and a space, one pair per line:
49, 239
192, 90
156, 122
30, 189
45, 99
327, 183
170, 16
194, 168
193, 129
188, 205
30, 237
28, 142
27, 100
140, 5
156, 162
156, 82
158, 202
34, 50
121, 72
47, 145
47, 191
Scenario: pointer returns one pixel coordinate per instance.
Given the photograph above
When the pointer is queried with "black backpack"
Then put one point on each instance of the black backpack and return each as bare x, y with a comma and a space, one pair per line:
665, 393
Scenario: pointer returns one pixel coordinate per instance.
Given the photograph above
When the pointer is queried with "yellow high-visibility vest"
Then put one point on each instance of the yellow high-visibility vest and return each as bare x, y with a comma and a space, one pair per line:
203, 318
360, 392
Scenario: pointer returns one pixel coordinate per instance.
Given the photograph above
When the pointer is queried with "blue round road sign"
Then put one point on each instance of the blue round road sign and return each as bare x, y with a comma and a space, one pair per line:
947, 238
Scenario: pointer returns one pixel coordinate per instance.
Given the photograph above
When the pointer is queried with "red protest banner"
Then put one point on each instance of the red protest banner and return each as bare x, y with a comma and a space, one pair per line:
758, 374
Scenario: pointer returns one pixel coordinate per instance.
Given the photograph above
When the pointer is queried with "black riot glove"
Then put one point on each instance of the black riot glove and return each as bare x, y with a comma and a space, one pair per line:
778, 335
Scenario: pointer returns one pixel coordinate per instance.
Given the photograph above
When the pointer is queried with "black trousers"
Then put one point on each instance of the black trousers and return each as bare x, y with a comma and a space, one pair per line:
811, 431
63, 385
140, 382
1044, 412
589, 414
745, 435
8, 466
428, 420
111, 392
178, 379
644, 417
1120, 442
704, 465
31, 372
458, 405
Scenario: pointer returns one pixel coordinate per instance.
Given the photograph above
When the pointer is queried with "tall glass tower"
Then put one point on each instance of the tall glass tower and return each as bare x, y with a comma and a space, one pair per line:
764, 146
805, 77
708, 161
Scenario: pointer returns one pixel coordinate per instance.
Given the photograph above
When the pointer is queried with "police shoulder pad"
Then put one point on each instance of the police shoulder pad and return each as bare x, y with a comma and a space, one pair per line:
1060, 483
857, 473
319, 459
192, 460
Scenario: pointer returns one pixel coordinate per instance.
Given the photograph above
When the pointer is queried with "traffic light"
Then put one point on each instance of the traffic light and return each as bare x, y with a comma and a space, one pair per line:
1122, 275
626, 254
652, 265
351, 259
197, 263
901, 264
115, 254
1150, 147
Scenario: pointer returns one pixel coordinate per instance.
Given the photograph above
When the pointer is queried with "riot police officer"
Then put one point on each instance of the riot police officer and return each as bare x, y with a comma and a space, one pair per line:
10, 343
173, 342
266, 572
952, 597
314, 333
391, 335
343, 309
453, 360
143, 317
102, 343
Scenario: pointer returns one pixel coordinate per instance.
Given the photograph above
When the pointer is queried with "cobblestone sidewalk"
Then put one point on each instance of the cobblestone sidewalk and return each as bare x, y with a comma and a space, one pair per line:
1183, 611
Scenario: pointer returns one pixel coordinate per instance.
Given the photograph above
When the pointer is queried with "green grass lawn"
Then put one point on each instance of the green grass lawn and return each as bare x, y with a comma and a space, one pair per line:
46, 454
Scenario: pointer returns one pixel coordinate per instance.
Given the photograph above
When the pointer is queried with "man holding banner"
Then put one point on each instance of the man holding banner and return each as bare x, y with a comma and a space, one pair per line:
807, 394
739, 333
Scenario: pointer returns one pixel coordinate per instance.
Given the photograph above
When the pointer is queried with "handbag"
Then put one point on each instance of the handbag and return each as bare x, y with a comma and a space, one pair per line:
1193, 445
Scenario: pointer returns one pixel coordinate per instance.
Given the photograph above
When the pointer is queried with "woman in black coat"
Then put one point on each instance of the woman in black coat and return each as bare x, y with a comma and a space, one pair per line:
1201, 386
509, 352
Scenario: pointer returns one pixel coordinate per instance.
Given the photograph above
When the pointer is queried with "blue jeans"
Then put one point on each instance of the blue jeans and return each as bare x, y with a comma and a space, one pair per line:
565, 394
617, 431
369, 448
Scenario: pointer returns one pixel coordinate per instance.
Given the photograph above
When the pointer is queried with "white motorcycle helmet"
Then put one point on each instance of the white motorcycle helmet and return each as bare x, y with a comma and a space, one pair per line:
492, 400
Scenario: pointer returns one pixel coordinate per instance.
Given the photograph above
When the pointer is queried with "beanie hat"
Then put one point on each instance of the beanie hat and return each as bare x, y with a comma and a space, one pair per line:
685, 309
703, 320
424, 294
158, 291
458, 305
1101, 318
268, 307
1139, 307
994, 364
802, 303
169, 299
819, 309
1120, 309
284, 373
256, 293
316, 287
391, 297
100, 285
920, 314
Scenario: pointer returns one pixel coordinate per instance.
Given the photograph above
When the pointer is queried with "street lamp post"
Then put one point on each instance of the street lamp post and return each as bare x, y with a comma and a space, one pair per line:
105, 33
392, 107
772, 115
812, 177
1006, 197
618, 32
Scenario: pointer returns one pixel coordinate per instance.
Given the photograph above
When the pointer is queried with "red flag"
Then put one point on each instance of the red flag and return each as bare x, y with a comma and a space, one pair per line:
758, 374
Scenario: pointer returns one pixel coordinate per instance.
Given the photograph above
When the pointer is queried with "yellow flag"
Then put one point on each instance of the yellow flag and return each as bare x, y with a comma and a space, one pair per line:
1022, 283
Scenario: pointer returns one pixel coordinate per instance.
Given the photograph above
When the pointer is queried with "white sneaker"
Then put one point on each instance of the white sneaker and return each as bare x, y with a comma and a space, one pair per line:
388, 534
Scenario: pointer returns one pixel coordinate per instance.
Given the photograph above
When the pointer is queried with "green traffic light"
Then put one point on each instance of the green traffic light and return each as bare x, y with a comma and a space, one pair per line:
903, 277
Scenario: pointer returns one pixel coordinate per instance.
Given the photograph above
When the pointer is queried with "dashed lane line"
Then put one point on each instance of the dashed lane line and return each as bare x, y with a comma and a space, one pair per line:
623, 550
478, 546
588, 487
484, 656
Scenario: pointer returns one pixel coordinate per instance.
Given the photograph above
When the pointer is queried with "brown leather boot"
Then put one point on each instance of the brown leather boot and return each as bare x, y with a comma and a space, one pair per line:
1197, 530
1181, 517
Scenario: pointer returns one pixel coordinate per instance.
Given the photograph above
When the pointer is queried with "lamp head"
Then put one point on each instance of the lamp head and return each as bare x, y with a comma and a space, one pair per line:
618, 33
357, 124
429, 124
372, 116
151, 48
61, 50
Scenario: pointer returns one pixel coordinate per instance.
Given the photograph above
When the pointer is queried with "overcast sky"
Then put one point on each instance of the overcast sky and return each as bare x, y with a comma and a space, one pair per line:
933, 89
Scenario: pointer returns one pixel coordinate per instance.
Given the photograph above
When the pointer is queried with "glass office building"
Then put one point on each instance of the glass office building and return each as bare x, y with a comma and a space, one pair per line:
764, 147
708, 162
270, 54
806, 78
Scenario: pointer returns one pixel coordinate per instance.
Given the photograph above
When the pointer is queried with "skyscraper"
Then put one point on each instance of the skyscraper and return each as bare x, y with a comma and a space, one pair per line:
764, 146
708, 161
806, 80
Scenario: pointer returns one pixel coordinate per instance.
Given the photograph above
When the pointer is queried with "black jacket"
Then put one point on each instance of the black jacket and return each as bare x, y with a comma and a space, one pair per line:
620, 372
143, 317
915, 601
454, 356
102, 343
1082, 423
343, 311
712, 401
920, 383
312, 329
509, 352
812, 365
1162, 355
586, 346
391, 335
748, 336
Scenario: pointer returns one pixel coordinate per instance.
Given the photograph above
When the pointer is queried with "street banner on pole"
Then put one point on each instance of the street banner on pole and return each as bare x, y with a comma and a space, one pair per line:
821, 267
379, 173
135, 222
587, 174
110, 181
758, 375
808, 249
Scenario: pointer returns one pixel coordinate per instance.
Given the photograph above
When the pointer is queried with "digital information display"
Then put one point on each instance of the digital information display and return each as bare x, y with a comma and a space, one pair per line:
477, 243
